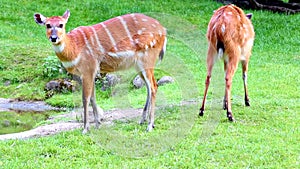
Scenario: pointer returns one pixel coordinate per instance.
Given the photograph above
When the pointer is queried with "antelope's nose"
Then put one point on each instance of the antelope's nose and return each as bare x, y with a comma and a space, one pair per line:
53, 38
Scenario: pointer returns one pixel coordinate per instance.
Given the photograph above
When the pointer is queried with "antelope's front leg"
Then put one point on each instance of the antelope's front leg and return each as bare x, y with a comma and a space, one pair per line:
87, 89
147, 104
97, 113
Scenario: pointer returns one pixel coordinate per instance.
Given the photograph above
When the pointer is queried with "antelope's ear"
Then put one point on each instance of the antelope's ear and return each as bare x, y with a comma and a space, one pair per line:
39, 19
66, 15
249, 15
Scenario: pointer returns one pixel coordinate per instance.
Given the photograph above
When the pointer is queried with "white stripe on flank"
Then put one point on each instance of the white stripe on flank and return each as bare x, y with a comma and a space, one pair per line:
126, 28
98, 41
110, 36
71, 63
128, 53
160, 33
59, 48
87, 44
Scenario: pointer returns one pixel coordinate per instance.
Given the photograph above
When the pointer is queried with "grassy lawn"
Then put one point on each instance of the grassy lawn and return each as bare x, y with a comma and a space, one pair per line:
266, 135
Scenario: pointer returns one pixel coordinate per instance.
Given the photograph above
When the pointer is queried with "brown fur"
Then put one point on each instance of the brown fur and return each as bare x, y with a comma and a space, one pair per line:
230, 35
107, 47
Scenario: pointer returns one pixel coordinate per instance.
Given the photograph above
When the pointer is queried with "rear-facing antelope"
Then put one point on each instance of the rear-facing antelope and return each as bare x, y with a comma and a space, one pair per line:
132, 40
230, 35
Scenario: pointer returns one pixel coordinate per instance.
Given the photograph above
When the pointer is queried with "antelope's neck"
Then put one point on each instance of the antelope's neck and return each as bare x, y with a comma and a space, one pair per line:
67, 53
65, 50
59, 48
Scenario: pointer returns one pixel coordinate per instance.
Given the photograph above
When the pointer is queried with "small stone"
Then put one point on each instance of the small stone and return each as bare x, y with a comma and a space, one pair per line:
165, 80
110, 80
6, 123
7, 83
52, 85
138, 82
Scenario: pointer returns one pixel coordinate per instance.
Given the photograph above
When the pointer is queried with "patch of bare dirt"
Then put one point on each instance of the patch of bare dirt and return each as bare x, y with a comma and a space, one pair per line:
56, 127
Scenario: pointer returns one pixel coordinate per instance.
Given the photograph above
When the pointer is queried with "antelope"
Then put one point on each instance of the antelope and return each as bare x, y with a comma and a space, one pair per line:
230, 36
132, 40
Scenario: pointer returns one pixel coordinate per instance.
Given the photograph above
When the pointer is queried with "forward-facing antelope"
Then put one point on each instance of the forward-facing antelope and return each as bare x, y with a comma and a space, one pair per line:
230, 36
132, 40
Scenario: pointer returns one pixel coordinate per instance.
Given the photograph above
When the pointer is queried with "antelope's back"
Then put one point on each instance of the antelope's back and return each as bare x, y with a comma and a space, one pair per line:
230, 24
131, 32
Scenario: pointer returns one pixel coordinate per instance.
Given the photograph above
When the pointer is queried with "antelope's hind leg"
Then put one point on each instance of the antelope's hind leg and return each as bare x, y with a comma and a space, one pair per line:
149, 79
245, 70
153, 87
210, 63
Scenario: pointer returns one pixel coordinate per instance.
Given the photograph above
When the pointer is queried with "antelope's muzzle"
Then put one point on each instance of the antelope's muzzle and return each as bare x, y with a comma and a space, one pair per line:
53, 38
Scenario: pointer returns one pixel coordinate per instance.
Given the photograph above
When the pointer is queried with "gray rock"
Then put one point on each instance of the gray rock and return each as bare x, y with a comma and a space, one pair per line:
6, 123
52, 85
7, 83
60, 86
110, 80
165, 80
138, 82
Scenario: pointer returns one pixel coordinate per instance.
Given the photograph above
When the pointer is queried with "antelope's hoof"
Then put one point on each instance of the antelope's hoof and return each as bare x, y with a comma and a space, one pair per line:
150, 127
142, 121
224, 105
97, 124
230, 117
201, 113
247, 103
85, 131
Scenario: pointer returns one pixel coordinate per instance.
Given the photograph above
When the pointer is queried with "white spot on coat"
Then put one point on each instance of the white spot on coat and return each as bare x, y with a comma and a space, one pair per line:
223, 28
160, 33
140, 54
134, 18
139, 32
152, 43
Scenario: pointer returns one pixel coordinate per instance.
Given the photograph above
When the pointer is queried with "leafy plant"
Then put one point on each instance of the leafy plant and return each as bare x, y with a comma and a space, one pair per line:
52, 67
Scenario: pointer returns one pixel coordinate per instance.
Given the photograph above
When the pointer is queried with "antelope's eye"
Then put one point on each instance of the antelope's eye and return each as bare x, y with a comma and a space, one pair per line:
48, 26
61, 25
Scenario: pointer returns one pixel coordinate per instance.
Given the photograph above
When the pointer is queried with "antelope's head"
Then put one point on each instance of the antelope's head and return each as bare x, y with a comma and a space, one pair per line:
55, 26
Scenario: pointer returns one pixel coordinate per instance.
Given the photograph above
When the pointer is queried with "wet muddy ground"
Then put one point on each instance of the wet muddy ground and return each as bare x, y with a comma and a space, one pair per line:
57, 123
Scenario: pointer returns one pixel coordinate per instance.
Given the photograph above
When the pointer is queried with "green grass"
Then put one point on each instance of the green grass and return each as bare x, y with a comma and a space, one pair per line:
266, 135
18, 122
